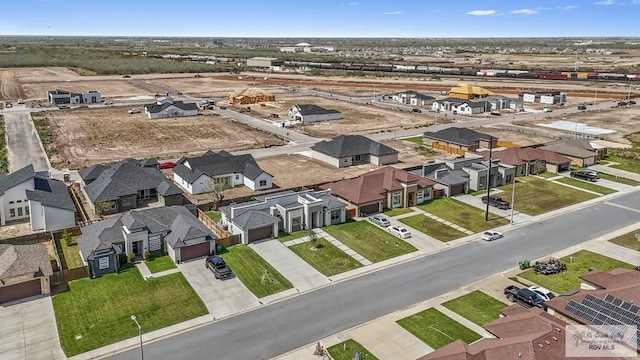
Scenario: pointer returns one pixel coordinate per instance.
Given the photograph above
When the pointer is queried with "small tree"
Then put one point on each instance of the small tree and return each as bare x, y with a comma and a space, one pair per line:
217, 191
68, 238
314, 240
102, 207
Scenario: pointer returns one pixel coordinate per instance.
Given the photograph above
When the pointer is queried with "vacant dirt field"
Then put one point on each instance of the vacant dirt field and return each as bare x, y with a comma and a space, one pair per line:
517, 138
88, 136
210, 87
107, 88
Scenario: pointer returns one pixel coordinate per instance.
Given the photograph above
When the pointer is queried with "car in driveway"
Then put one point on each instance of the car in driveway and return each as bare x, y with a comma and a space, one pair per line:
491, 235
83, 106
380, 220
134, 111
166, 165
218, 267
399, 231
544, 293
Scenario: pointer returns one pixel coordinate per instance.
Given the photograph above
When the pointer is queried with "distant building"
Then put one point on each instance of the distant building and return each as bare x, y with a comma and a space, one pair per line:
460, 138
414, 98
308, 113
60, 97
550, 98
166, 107
468, 92
350, 150
501, 102
265, 63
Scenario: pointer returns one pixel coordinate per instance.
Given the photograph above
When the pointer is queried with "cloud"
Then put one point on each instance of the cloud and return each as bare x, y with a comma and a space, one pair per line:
604, 2
568, 7
524, 12
482, 12
352, 3
544, 8
392, 13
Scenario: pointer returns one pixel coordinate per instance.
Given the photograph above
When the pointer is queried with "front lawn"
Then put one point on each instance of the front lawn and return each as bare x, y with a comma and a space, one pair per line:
433, 228
536, 196
476, 306
436, 329
284, 237
326, 258
346, 349
416, 140
619, 179
71, 258
250, 268
547, 174
396, 211
369, 240
214, 215
97, 312
586, 185
628, 240
628, 161
569, 280
160, 263
461, 214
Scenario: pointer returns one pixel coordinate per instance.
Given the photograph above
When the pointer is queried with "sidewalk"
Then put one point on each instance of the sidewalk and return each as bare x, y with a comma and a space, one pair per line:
347, 250
147, 274
616, 172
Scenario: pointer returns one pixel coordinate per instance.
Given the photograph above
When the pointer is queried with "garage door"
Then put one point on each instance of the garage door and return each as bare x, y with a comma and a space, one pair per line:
369, 209
194, 251
457, 189
19, 291
260, 233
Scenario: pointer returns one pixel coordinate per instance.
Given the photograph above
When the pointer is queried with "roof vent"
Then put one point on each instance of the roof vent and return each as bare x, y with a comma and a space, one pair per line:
558, 330
540, 346
547, 341
555, 338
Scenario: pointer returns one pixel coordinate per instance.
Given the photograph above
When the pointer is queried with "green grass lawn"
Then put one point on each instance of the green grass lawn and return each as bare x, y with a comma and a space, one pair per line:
284, 237
624, 163
250, 268
537, 196
396, 211
71, 258
214, 215
586, 185
416, 140
547, 174
476, 306
97, 312
345, 350
326, 258
569, 280
436, 329
628, 240
160, 263
461, 214
433, 228
618, 179
369, 240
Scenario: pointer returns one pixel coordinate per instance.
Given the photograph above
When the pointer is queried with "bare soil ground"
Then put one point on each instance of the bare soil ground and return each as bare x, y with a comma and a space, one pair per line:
517, 138
105, 87
210, 87
88, 136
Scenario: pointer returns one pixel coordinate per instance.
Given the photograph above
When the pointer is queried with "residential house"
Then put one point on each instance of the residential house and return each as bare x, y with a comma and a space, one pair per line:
173, 230
45, 202
284, 211
460, 138
308, 113
414, 98
24, 271
166, 107
470, 108
127, 185
582, 152
59, 97
550, 98
350, 150
199, 174
501, 102
387, 187
468, 92
446, 104
531, 161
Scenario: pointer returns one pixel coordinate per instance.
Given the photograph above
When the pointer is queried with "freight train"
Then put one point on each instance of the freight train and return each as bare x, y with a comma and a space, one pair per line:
416, 69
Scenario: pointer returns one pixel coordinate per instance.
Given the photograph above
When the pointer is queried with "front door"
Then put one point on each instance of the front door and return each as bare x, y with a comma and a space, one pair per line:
134, 248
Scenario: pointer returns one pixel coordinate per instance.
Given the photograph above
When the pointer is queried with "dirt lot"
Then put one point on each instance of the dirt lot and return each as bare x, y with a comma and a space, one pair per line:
517, 138
88, 136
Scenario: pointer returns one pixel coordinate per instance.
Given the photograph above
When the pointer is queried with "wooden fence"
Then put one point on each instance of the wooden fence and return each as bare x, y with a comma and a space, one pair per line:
448, 149
506, 144
64, 276
225, 238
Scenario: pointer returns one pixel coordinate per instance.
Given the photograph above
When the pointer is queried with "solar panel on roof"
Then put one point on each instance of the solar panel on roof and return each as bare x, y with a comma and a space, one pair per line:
617, 301
634, 309
625, 305
609, 298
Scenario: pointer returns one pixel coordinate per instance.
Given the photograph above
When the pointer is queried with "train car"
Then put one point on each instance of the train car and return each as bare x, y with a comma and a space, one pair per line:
369, 67
422, 69
434, 69
552, 76
451, 71
468, 72
354, 66
385, 67
528, 75
314, 65
325, 66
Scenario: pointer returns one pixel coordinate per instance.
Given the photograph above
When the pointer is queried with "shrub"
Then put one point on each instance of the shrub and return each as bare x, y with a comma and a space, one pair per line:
147, 255
68, 238
132, 257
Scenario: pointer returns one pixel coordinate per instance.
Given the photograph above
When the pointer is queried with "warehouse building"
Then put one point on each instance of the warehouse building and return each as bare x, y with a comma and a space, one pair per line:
549, 98
266, 63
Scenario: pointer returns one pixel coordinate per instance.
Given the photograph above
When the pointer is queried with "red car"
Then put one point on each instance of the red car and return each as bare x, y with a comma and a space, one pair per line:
166, 165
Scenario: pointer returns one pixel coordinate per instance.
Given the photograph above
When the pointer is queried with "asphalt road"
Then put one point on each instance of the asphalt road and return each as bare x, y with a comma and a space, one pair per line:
23, 144
275, 329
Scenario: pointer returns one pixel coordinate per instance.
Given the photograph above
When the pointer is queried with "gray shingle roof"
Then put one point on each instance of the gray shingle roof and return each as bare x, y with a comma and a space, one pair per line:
52, 193
415, 94
16, 260
462, 136
252, 219
351, 145
476, 104
92, 172
442, 174
7, 181
216, 164
155, 107
310, 109
127, 177
570, 148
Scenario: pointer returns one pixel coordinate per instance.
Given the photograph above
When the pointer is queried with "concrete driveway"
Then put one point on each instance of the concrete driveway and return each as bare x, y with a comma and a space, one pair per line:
518, 217
29, 331
421, 241
23, 143
222, 297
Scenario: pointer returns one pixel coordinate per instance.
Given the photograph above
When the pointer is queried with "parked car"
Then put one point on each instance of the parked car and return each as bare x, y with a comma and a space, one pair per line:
166, 165
491, 235
586, 175
380, 220
8, 104
495, 113
83, 106
582, 107
223, 108
126, 76
631, 102
544, 293
546, 109
524, 296
64, 107
622, 103
108, 102
218, 267
496, 201
134, 111
20, 101
416, 111
399, 231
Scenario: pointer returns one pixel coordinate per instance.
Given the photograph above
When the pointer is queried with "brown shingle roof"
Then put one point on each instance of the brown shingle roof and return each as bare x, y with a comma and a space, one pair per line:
16, 260
613, 279
520, 156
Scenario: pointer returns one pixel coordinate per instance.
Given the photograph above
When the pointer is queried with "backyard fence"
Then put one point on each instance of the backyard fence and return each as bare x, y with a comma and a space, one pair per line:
448, 149
225, 238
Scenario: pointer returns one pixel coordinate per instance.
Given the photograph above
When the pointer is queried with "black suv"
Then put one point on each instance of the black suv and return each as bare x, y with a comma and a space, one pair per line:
218, 267
582, 107
496, 201
585, 175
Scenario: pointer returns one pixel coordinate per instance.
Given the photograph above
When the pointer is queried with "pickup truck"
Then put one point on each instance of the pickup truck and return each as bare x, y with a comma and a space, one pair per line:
496, 201
524, 296
218, 267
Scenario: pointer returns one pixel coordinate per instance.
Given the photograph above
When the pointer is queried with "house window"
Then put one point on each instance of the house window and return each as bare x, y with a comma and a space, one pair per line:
103, 263
112, 205
358, 157
237, 177
11, 202
396, 199
26, 210
508, 179
335, 215
19, 201
263, 182
19, 211
12, 212
427, 193
222, 181
482, 182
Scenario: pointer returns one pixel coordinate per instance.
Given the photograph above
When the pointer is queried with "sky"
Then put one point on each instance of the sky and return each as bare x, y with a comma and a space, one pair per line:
326, 18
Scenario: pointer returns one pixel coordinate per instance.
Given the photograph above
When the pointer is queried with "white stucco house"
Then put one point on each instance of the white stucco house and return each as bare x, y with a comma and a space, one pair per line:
59, 97
197, 174
308, 113
45, 202
165, 108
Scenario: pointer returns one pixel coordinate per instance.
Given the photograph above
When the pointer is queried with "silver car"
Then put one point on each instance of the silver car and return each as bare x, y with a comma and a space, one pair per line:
399, 231
379, 220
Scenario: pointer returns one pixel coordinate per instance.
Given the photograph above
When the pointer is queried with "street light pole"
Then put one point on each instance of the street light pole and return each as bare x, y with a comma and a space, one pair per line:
513, 193
133, 317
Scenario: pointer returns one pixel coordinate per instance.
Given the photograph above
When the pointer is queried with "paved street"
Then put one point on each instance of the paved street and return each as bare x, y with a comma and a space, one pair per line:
275, 329
23, 143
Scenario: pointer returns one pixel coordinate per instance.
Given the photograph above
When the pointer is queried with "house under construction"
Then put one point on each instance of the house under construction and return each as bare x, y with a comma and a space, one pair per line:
245, 97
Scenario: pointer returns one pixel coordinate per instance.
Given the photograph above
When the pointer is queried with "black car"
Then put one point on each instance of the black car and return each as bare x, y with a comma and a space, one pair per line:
416, 111
218, 267
587, 175
496, 201
631, 102
582, 107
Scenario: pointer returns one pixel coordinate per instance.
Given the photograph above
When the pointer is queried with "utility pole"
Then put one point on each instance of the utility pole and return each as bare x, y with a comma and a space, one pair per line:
513, 193
629, 92
486, 214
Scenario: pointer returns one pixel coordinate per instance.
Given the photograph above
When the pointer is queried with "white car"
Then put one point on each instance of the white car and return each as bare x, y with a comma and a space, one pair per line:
490, 235
134, 111
379, 220
399, 231
544, 293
